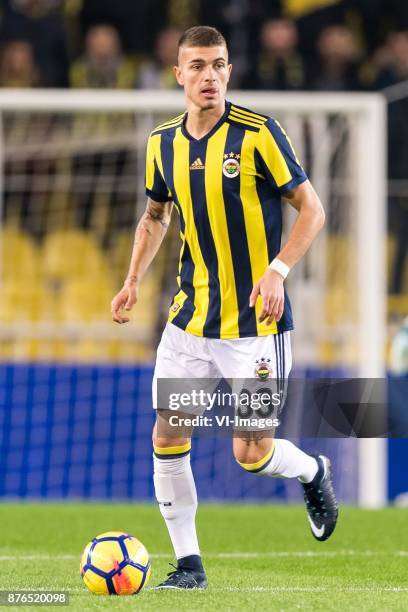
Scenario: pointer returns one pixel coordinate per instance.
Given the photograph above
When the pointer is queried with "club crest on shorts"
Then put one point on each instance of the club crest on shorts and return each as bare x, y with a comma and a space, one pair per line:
263, 370
230, 167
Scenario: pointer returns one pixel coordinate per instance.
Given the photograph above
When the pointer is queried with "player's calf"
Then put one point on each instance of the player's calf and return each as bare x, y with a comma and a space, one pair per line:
177, 497
285, 460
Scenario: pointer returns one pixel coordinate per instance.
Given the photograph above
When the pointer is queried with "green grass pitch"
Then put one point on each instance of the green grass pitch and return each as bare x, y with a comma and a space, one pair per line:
256, 556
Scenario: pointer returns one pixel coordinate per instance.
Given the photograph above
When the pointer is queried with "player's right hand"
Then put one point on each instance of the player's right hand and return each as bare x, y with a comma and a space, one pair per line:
126, 298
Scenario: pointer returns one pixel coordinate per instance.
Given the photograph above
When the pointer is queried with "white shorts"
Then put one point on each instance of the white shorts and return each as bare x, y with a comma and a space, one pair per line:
182, 355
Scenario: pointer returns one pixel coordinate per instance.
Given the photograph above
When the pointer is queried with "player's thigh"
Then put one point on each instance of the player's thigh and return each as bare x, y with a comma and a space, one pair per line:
258, 357
183, 366
257, 369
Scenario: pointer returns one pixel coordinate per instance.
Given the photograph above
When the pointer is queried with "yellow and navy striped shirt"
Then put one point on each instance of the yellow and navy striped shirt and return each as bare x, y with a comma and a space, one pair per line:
227, 188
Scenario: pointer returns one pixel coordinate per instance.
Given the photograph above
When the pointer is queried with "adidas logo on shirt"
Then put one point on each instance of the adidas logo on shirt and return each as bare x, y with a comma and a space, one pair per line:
197, 165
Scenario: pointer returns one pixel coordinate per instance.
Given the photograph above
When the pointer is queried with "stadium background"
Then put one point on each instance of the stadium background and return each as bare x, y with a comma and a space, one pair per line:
75, 415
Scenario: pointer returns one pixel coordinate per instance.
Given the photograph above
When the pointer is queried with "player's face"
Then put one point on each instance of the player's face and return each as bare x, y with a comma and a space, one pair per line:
204, 73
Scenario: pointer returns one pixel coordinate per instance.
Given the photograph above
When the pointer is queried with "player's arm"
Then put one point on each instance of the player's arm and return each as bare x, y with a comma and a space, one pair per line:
309, 222
149, 235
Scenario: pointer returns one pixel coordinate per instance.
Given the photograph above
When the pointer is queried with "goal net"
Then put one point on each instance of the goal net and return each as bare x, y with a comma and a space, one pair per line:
72, 186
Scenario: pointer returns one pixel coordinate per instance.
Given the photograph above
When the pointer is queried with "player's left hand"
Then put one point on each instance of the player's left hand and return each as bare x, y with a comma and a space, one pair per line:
270, 288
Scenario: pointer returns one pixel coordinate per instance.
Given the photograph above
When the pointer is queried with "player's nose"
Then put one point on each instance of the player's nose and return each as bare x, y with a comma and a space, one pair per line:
209, 74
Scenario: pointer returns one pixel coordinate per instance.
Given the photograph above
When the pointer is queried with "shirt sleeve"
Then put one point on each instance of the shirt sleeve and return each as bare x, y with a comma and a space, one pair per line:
155, 185
276, 158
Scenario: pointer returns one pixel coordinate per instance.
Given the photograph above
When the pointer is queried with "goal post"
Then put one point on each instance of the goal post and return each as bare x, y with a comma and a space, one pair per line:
340, 137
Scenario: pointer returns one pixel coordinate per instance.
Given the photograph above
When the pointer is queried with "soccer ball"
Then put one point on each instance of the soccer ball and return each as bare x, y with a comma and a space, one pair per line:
115, 563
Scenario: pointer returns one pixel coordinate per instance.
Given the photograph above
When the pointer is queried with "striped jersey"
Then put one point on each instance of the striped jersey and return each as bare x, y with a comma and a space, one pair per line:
227, 189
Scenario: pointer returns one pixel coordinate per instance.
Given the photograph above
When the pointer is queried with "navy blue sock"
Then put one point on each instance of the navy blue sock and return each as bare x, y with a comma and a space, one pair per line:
191, 563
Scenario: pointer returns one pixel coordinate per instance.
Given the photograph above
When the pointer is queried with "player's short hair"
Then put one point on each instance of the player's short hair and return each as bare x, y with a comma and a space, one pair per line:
202, 36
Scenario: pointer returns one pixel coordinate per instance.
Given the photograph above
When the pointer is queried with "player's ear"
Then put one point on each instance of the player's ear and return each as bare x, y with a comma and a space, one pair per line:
229, 71
178, 75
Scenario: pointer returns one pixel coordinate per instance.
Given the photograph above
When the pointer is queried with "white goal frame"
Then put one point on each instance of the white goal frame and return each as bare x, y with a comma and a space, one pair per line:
371, 199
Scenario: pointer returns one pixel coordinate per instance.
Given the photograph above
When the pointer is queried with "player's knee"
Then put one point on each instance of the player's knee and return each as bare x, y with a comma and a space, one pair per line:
169, 447
166, 442
246, 452
251, 454
165, 436
170, 431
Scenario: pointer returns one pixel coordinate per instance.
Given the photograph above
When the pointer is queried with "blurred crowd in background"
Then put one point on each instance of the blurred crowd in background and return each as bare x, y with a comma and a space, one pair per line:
290, 45
274, 44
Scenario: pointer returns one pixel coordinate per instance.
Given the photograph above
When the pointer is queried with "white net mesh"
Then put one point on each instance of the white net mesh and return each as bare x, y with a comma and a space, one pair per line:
73, 188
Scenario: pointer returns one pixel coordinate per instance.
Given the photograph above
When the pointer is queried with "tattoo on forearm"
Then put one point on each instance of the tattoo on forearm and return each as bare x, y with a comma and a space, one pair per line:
144, 225
152, 213
142, 229
157, 213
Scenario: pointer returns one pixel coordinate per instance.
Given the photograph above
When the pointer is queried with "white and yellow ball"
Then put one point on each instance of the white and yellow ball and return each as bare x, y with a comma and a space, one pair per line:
115, 563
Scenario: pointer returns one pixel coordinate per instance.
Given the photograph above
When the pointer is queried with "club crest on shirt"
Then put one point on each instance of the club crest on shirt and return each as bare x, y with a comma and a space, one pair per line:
230, 167
263, 370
